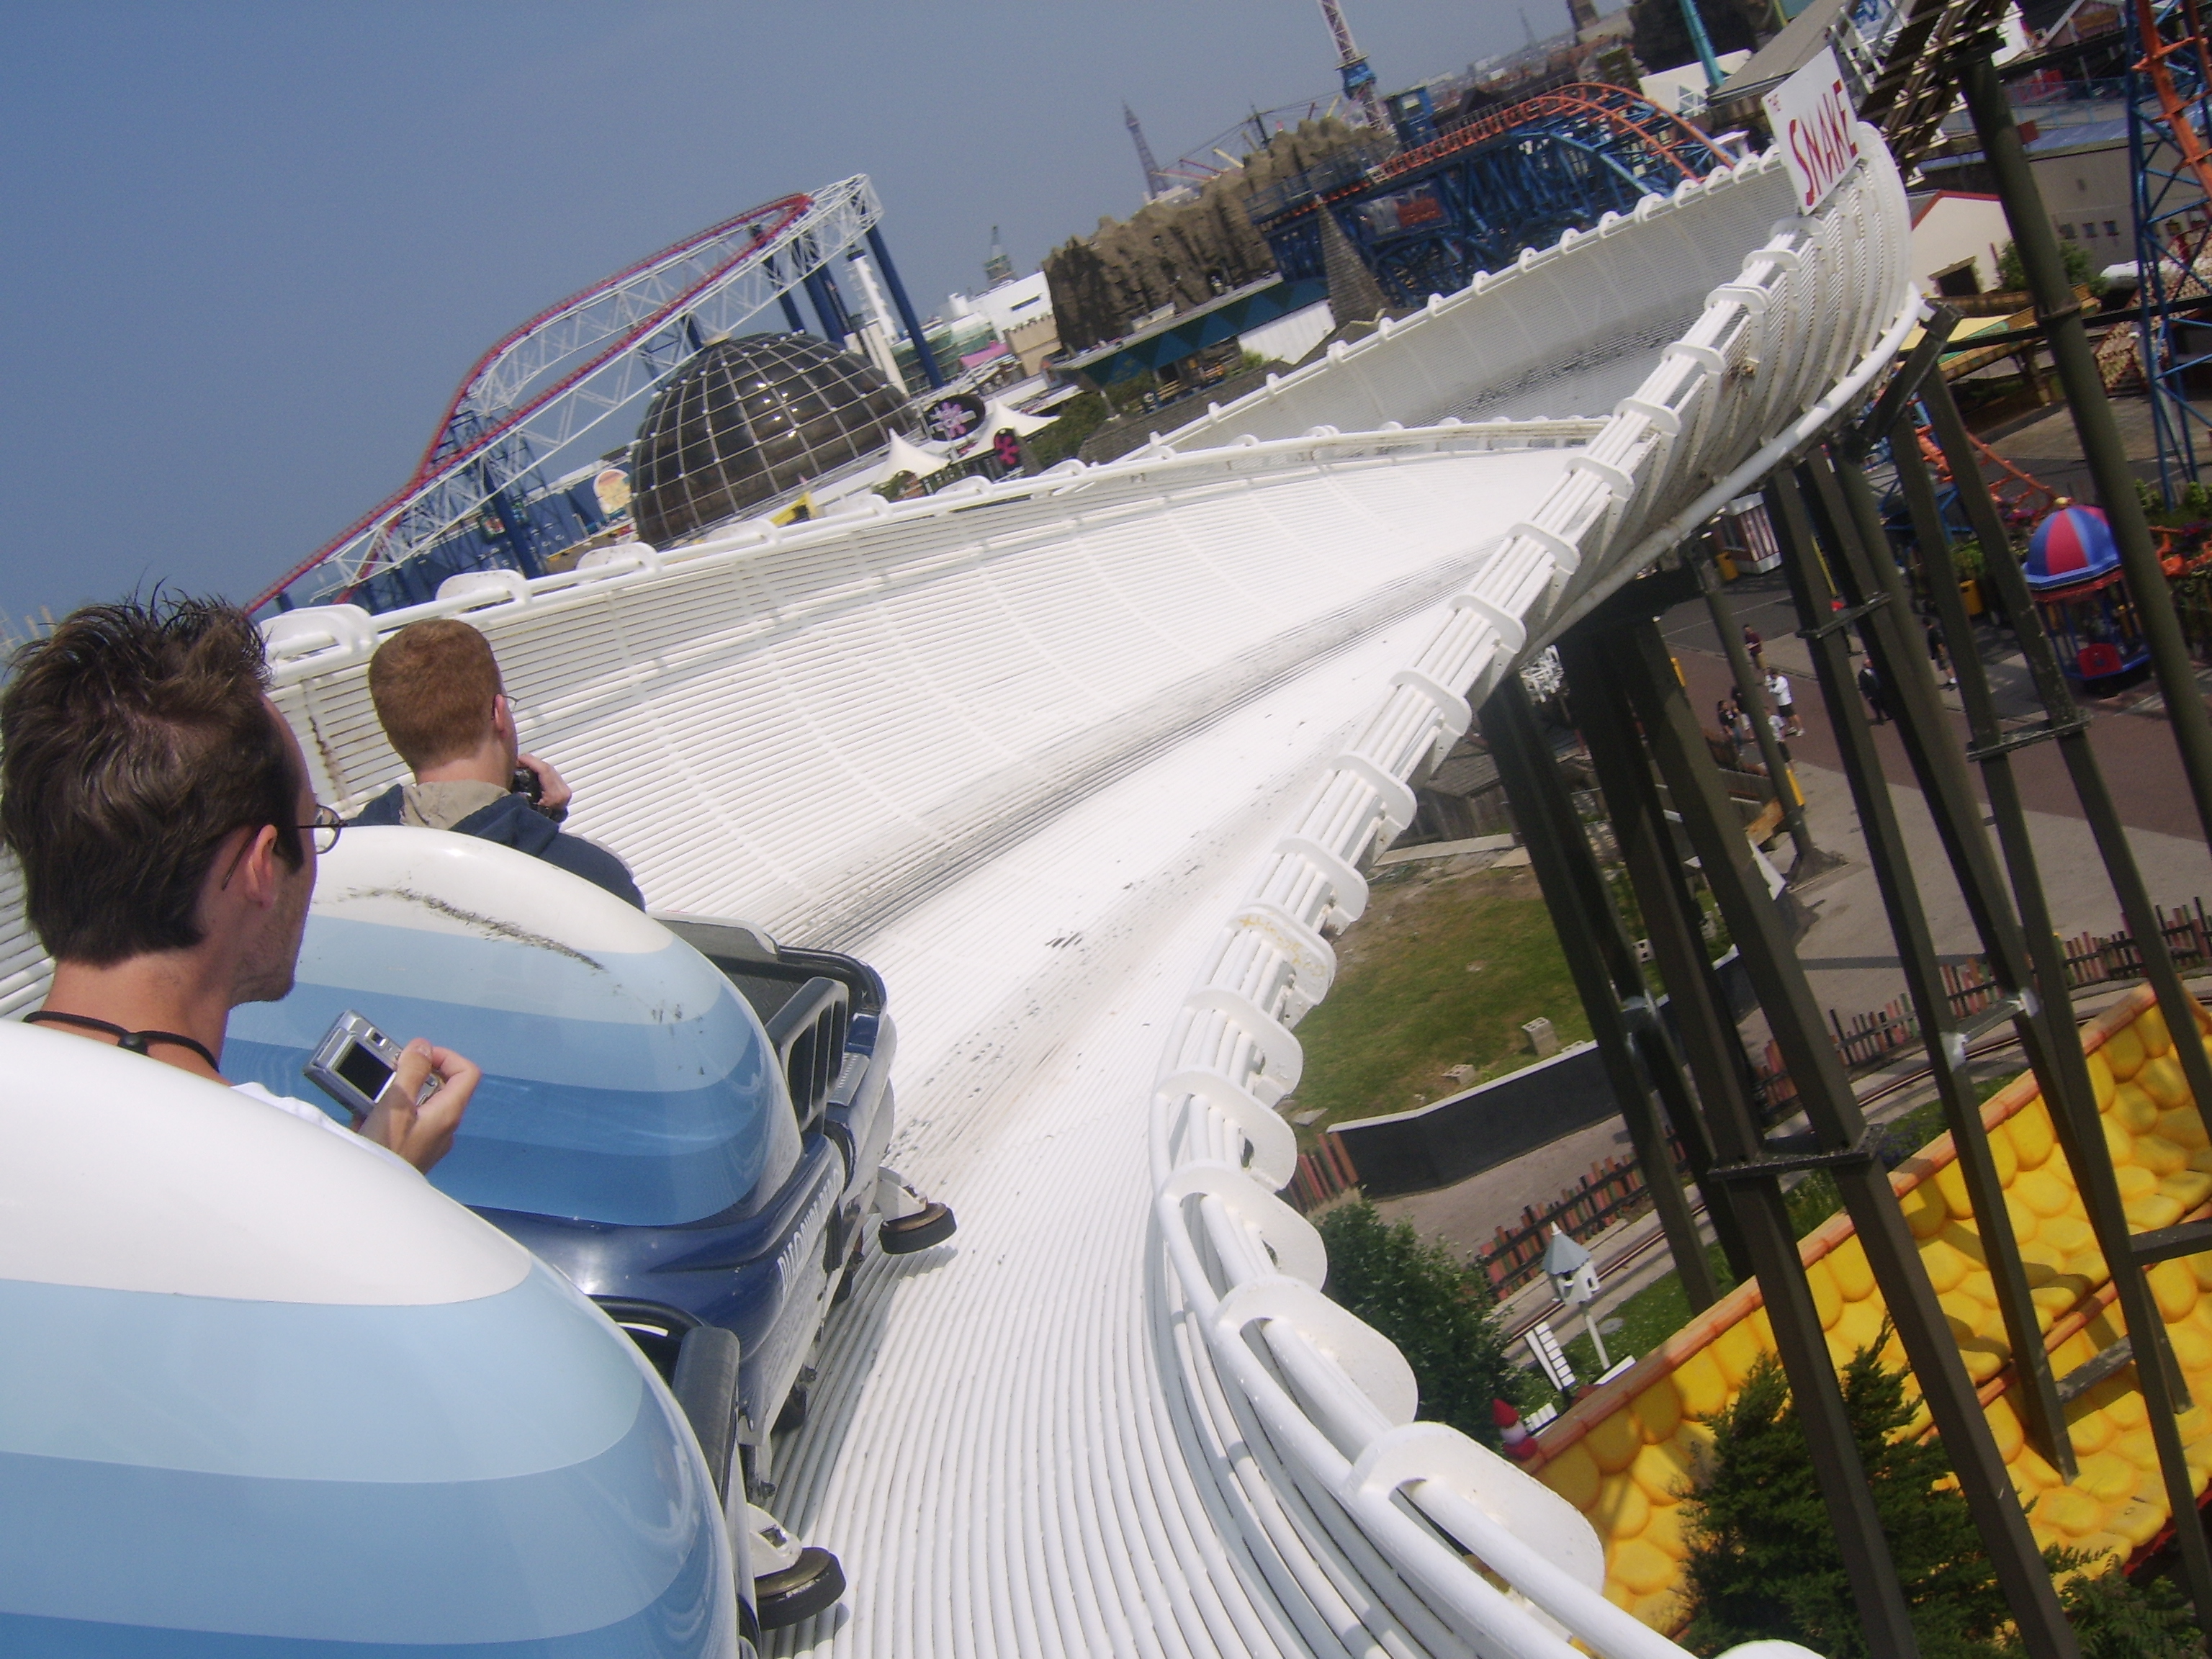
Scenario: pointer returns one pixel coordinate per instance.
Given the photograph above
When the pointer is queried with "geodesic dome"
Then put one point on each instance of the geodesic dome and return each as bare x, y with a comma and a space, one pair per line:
745, 420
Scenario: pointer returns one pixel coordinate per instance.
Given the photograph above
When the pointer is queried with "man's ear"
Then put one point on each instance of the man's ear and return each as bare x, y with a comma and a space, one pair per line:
263, 871
502, 718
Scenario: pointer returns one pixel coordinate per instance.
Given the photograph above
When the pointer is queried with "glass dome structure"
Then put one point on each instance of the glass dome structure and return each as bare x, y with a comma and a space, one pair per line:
745, 420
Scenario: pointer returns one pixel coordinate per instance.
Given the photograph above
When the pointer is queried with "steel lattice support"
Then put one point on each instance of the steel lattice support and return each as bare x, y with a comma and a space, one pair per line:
1635, 674
2170, 162
563, 373
2060, 313
2127, 1254
1639, 1060
1838, 1141
1427, 221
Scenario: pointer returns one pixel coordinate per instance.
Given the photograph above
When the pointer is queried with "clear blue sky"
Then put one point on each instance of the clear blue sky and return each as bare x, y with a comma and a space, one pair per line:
250, 249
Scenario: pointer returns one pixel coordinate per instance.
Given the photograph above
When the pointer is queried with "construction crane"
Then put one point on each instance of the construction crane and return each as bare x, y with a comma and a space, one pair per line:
1351, 65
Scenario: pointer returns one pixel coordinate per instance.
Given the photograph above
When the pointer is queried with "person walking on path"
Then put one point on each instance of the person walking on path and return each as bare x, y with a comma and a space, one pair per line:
1870, 688
1784, 702
1941, 657
1754, 645
1733, 728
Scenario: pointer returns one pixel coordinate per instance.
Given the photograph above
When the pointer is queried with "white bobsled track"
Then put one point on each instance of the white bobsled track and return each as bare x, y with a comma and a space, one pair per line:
1088, 764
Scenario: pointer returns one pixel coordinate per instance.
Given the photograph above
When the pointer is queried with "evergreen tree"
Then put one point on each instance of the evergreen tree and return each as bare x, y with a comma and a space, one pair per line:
1440, 1314
2080, 269
1764, 1562
2114, 1619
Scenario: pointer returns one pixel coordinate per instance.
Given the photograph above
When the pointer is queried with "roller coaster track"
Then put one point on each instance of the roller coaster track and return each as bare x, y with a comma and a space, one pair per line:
2169, 111
2024, 497
1633, 120
2181, 108
1088, 764
572, 367
1913, 87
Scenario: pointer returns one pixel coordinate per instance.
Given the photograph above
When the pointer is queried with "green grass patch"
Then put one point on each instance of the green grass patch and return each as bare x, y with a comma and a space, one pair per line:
1441, 971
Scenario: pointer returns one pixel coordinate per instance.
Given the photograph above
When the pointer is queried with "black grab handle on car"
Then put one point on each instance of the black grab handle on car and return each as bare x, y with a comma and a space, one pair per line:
706, 1386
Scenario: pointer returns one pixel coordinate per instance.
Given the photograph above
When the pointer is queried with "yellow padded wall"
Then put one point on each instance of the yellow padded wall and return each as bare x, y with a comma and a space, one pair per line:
1627, 1452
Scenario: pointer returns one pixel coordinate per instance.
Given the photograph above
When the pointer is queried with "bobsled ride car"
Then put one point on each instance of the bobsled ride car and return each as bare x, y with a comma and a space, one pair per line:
268, 1393
684, 1118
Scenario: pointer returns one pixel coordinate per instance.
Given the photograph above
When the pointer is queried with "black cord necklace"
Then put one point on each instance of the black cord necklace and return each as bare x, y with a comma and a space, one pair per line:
136, 1042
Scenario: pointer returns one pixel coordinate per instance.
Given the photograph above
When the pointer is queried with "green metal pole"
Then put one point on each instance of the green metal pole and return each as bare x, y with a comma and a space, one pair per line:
1752, 691
1532, 783
2060, 314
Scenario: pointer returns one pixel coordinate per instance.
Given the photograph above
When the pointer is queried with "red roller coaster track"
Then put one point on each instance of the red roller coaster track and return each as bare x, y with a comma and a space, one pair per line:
1627, 112
765, 223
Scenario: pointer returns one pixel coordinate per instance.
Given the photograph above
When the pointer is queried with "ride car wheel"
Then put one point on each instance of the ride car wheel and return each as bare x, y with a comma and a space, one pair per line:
810, 1585
931, 1224
793, 1416
845, 1279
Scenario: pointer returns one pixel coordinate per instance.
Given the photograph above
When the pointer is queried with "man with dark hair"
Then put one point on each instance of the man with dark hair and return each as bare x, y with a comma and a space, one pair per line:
438, 693
160, 809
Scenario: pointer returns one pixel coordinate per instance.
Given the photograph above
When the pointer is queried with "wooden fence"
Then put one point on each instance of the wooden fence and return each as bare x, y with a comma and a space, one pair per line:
1322, 1175
2092, 959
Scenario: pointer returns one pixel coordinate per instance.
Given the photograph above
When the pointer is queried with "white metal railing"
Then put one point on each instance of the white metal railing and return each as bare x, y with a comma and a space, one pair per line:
1816, 314
318, 640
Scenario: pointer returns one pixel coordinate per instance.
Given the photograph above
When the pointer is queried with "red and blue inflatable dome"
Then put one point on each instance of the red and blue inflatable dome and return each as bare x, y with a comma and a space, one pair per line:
2073, 545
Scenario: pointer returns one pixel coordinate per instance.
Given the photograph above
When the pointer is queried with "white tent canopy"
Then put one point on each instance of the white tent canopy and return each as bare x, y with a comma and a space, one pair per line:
906, 456
998, 417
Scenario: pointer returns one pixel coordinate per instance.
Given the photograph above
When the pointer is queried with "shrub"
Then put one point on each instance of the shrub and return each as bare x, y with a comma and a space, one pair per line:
2113, 1618
1764, 1562
1440, 1314
1079, 417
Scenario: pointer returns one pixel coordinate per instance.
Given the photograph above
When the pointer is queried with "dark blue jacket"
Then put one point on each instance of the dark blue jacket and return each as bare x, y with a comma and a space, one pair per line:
513, 822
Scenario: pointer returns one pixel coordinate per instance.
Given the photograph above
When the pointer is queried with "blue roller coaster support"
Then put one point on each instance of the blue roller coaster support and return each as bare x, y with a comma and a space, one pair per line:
1428, 219
904, 307
2170, 162
1704, 43
828, 306
796, 323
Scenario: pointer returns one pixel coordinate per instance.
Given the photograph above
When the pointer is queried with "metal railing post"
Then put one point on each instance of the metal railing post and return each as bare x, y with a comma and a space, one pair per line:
1557, 847
1670, 727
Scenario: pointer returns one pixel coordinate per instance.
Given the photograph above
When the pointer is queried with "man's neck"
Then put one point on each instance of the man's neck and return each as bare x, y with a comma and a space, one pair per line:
488, 762
166, 991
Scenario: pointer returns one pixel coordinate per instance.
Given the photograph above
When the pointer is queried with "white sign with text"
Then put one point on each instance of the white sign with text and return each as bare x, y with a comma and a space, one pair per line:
1811, 118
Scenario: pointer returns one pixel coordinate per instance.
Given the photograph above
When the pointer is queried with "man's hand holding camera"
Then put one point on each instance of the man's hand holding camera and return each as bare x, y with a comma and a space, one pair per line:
421, 1128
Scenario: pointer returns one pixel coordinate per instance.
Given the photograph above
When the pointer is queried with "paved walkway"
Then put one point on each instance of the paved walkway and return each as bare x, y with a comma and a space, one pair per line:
2127, 731
2042, 444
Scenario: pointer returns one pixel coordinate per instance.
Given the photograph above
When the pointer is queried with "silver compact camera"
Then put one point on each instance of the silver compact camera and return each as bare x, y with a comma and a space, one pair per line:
354, 1064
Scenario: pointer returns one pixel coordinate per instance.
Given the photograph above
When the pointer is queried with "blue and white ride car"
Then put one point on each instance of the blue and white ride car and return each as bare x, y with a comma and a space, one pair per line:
264, 1392
684, 1119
